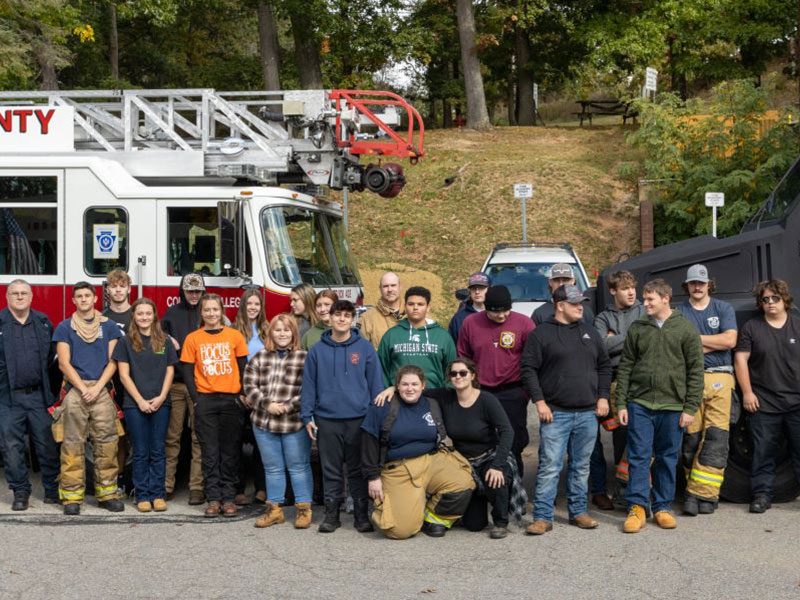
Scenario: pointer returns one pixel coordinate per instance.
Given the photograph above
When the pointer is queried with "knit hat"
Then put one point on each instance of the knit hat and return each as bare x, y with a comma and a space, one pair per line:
498, 298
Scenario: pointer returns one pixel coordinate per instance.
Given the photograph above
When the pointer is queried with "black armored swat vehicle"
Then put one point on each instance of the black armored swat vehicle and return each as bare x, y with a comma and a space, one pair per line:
768, 246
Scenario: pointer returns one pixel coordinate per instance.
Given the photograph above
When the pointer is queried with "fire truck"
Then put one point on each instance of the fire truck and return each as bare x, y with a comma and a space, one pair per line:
160, 183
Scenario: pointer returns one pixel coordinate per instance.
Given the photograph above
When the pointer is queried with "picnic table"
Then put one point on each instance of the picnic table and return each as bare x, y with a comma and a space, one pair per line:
591, 108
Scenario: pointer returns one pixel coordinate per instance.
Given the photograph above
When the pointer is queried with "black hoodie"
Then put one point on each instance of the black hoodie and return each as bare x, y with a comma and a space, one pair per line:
180, 320
567, 366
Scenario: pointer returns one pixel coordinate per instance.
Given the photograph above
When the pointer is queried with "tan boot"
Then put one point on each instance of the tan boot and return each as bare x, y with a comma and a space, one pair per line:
159, 505
636, 519
273, 514
665, 519
302, 515
539, 528
144, 506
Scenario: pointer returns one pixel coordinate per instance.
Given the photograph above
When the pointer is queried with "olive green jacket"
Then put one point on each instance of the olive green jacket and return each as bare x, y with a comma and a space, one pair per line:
661, 368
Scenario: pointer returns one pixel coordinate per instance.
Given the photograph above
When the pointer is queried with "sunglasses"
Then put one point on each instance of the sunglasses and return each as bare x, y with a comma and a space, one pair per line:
770, 299
461, 373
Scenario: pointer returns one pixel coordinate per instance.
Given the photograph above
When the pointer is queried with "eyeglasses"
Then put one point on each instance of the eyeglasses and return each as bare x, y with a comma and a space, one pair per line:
770, 299
461, 373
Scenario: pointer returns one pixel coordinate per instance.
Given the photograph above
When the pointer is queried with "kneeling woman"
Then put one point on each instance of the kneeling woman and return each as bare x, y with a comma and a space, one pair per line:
404, 459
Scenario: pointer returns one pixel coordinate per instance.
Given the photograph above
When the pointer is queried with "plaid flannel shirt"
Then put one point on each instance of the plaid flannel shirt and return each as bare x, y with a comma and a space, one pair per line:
269, 379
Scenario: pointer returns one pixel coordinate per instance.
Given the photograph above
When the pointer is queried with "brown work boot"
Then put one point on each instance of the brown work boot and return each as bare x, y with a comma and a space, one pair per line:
602, 502
212, 510
144, 506
636, 519
159, 505
229, 509
584, 521
665, 519
196, 497
241, 500
273, 515
539, 528
302, 515
260, 497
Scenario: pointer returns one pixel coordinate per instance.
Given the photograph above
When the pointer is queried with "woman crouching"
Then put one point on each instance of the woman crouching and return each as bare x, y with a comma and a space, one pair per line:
405, 460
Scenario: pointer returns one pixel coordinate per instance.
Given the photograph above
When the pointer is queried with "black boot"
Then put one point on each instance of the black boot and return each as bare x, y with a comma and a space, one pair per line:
361, 515
331, 521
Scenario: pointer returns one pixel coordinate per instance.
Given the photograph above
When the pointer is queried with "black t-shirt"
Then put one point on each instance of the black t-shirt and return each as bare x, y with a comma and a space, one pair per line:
148, 368
476, 429
123, 319
774, 362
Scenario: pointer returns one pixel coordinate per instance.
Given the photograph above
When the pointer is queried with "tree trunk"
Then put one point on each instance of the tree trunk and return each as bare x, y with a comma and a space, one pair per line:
306, 52
431, 114
477, 116
113, 41
45, 59
525, 111
269, 47
797, 53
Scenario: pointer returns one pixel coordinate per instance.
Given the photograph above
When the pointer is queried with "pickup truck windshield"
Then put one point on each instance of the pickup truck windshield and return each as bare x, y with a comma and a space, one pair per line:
306, 246
527, 282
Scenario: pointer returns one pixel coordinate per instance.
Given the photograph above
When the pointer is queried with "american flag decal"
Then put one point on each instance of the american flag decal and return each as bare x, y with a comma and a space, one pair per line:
21, 258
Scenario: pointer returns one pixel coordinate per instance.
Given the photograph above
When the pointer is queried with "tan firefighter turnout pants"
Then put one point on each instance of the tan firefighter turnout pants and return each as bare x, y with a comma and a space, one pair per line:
182, 408
97, 421
445, 476
705, 444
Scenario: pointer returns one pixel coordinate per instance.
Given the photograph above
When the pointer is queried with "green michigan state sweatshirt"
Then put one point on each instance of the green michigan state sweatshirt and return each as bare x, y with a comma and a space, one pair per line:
429, 347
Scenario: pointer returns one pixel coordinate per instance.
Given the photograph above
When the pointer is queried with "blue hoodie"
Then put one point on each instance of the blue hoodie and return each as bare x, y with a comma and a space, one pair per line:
466, 309
340, 379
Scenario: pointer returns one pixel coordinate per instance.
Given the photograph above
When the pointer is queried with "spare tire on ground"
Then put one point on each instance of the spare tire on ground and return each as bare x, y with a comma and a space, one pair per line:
736, 486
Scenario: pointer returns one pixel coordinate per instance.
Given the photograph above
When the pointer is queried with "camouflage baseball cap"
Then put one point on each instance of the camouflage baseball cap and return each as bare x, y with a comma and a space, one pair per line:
193, 283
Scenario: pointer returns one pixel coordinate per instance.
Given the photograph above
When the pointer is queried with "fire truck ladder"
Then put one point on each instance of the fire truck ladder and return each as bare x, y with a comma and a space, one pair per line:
267, 137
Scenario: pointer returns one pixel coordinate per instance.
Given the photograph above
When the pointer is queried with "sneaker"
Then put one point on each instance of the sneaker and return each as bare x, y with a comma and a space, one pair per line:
636, 519
539, 527
760, 504
603, 502
707, 507
691, 506
196, 497
112, 505
144, 507
665, 519
434, 529
72, 509
159, 505
498, 532
584, 521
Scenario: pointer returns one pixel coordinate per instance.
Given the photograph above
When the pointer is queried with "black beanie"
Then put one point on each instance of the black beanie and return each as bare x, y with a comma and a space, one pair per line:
498, 298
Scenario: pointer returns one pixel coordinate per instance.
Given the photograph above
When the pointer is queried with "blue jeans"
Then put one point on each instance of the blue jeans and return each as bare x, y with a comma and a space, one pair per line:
572, 433
281, 452
148, 436
652, 434
20, 413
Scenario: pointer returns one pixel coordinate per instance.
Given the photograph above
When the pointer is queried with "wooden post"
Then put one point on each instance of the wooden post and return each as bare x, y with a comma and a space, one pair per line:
646, 234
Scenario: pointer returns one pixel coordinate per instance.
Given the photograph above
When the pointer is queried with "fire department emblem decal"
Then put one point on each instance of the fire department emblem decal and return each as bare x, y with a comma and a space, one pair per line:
355, 357
507, 339
713, 322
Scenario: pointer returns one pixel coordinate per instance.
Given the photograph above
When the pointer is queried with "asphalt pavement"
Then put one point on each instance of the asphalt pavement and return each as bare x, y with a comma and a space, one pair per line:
179, 554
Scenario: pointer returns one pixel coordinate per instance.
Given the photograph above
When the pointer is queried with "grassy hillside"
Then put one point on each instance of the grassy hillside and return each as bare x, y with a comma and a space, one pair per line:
436, 235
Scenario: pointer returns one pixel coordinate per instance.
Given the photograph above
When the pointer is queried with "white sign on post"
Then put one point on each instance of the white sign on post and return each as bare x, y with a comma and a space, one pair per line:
714, 200
106, 241
523, 190
37, 129
650, 79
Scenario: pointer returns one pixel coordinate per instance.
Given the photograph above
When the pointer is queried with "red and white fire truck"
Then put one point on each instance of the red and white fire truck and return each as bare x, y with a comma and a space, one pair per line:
233, 185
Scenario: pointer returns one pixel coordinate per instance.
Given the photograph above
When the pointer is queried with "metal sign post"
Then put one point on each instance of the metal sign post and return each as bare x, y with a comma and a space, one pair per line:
714, 200
523, 191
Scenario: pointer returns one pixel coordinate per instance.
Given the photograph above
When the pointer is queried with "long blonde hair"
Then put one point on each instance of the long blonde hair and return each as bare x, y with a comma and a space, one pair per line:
158, 338
211, 298
309, 297
242, 322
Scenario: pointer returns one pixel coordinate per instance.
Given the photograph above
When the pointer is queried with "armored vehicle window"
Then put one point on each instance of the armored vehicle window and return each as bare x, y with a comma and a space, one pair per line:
105, 240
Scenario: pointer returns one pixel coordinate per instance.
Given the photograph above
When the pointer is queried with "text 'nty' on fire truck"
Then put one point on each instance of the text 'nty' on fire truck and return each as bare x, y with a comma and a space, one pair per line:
160, 183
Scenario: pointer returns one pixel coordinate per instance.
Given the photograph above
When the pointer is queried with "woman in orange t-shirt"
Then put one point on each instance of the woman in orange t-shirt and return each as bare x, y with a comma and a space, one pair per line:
213, 360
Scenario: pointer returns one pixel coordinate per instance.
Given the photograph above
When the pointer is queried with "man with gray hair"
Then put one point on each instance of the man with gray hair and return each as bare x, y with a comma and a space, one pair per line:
26, 352
387, 313
560, 274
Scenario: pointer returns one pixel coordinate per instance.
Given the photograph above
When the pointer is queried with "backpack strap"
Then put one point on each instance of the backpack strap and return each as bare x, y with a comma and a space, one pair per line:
386, 426
436, 413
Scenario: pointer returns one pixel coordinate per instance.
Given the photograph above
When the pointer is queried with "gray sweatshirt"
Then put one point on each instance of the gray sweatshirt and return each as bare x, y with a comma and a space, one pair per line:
617, 320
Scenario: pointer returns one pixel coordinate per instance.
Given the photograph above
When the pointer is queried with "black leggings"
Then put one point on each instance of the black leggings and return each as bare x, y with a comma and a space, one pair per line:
475, 517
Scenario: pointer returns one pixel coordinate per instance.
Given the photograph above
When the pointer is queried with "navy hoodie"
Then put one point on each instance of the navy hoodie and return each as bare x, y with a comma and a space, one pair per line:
340, 379
466, 309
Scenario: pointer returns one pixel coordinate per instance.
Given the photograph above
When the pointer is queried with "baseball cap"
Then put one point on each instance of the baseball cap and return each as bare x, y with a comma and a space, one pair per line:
561, 270
193, 283
479, 279
498, 298
569, 293
697, 273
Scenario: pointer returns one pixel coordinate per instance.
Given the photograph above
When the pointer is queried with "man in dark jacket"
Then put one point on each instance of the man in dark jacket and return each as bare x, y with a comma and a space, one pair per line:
560, 274
567, 374
179, 321
478, 285
26, 353
659, 389
613, 324
341, 376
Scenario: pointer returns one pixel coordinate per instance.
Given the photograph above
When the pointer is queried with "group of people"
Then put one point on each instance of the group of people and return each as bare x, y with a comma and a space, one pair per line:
427, 424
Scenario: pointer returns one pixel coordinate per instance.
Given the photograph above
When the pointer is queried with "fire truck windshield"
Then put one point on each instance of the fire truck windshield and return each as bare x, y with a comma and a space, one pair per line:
306, 246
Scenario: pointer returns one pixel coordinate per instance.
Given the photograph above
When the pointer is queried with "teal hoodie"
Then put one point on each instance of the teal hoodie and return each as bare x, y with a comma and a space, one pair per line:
428, 347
